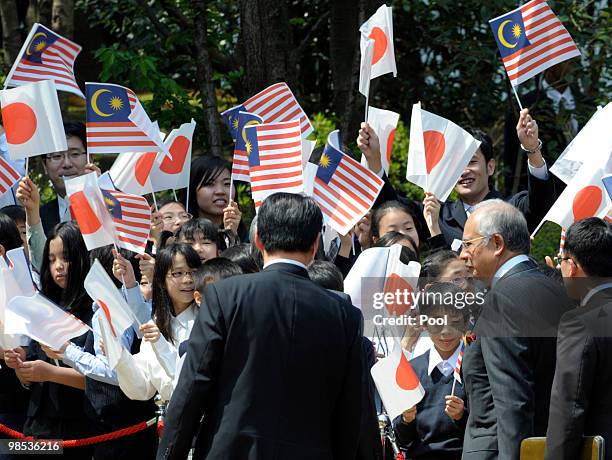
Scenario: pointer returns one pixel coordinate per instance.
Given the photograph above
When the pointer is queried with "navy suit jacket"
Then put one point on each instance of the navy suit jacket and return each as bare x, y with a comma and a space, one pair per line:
274, 364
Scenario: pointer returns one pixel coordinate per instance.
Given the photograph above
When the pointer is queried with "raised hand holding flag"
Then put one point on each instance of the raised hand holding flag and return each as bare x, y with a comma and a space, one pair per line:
438, 153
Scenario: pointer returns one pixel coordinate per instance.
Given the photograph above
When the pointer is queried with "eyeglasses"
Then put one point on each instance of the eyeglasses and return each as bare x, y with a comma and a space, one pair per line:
468, 245
559, 258
170, 217
180, 274
74, 156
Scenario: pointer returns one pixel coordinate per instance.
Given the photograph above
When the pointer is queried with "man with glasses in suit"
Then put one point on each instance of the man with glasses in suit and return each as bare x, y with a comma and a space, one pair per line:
508, 370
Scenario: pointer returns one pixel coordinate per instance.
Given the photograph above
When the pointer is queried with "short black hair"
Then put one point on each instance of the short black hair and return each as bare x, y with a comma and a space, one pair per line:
590, 242
215, 269
289, 222
241, 254
76, 129
391, 238
203, 227
10, 238
204, 170
438, 299
326, 275
15, 212
486, 143
434, 264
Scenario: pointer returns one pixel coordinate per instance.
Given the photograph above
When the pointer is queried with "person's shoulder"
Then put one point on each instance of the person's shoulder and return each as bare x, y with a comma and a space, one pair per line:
420, 364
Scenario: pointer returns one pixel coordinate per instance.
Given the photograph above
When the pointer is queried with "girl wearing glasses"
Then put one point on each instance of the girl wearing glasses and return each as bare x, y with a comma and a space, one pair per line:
174, 311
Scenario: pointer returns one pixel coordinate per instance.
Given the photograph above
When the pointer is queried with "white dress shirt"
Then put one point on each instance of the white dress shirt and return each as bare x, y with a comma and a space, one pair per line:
507, 266
152, 369
594, 291
64, 209
285, 261
446, 366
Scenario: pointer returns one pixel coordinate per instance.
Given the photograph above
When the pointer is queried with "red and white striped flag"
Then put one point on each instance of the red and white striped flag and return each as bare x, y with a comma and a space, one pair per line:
344, 189
117, 122
457, 371
42, 320
277, 104
531, 39
131, 217
8, 176
275, 159
46, 55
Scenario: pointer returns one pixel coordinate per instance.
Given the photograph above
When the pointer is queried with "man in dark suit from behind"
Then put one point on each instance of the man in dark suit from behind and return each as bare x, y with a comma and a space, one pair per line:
508, 369
581, 401
274, 364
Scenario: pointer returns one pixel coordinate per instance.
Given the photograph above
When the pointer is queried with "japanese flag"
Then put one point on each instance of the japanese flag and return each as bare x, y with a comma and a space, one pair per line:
365, 67
384, 123
171, 171
585, 196
103, 292
396, 382
131, 172
88, 208
15, 280
438, 153
379, 29
32, 120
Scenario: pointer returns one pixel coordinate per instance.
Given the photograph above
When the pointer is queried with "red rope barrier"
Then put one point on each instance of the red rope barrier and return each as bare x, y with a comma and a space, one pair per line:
86, 441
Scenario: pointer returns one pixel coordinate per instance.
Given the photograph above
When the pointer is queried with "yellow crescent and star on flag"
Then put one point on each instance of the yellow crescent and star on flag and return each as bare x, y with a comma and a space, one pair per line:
509, 31
38, 43
107, 103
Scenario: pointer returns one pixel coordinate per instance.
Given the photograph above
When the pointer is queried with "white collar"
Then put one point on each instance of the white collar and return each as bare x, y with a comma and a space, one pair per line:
507, 266
63, 209
183, 318
435, 360
285, 261
594, 291
556, 96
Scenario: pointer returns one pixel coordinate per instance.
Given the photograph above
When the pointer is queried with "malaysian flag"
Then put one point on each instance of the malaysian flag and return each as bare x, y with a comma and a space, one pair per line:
531, 39
344, 189
275, 159
8, 176
276, 104
46, 55
457, 371
242, 149
117, 122
131, 216
230, 117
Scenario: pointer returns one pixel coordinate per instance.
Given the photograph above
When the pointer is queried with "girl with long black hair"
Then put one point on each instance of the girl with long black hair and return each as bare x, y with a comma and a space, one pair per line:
57, 400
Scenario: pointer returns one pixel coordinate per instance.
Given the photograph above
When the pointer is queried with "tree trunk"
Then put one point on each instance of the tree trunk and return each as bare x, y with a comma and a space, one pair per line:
264, 43
39, 11
11, 38
204, 78
62, 18
344, 61
62, 22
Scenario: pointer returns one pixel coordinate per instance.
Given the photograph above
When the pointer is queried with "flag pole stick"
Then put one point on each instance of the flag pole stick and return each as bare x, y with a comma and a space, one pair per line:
231, 189
124, 289
27, 163
517, 96
187, 198
22, 51
154, 200
367, 105
174, 193
453, 389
